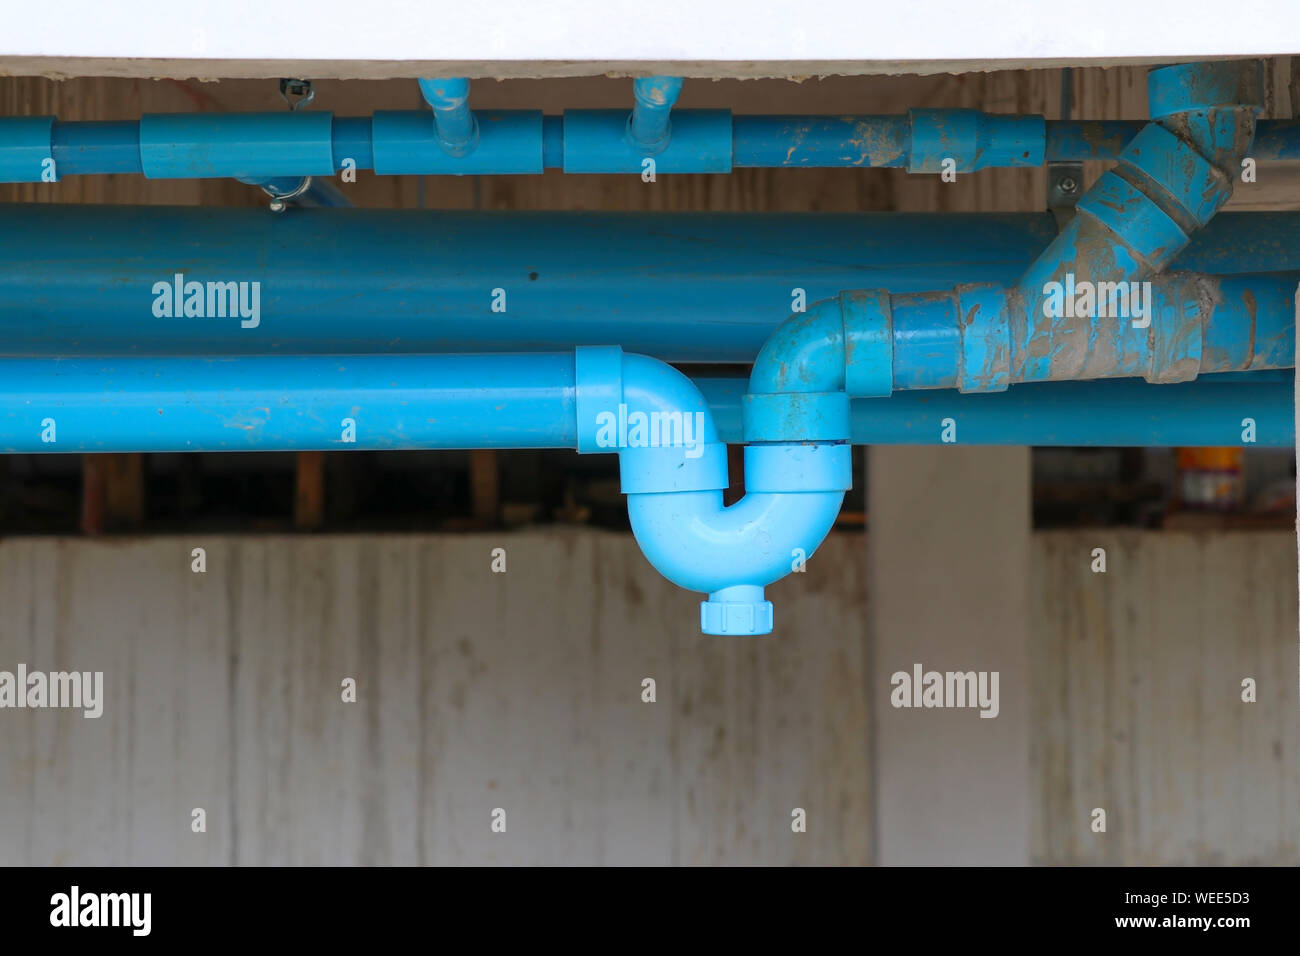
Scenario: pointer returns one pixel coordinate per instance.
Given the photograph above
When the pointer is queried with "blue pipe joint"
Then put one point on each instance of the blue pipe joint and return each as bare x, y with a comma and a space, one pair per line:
406, 144
455, 126
1196, 187
798, 467
699, 466
737, 611
649, 128
27, 150
652, 416
797, 416
973, 140
1195, 87
814, 362
1135, 219
984, 315
1177, 330
598, 380
868, 343
597, 141
243, 146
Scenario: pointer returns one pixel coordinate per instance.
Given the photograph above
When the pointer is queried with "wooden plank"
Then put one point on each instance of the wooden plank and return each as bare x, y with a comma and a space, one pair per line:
309, 491
484, 485
112, 493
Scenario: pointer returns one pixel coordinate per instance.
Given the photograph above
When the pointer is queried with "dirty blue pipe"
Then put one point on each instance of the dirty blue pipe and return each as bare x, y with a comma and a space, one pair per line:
262, 145
1171, 180
1224, 324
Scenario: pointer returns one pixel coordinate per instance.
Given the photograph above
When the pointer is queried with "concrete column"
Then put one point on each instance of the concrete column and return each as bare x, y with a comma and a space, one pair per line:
947, 588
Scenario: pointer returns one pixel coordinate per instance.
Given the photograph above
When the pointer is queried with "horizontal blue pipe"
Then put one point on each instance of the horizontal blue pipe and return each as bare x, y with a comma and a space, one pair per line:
1113, 413
1249, 324
690, 287
528, 401
84, 148
268, 403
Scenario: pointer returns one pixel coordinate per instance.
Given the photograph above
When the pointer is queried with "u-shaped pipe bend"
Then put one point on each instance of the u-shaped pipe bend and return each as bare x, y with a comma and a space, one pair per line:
673, 470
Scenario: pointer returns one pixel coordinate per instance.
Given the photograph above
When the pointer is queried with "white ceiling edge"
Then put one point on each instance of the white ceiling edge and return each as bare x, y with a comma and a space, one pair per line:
508, 38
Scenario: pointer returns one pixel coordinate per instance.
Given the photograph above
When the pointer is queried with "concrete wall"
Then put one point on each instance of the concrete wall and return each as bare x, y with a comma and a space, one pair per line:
948, 587
476, 690
1137, 698
523, 691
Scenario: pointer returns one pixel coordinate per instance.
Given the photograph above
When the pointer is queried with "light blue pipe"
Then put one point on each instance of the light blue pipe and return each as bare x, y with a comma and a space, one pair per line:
288, 403
649, 127
733, 553
457, 129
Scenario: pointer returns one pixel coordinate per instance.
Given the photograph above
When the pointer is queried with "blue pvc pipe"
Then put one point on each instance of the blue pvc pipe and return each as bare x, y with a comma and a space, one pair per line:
690, 287
820, 141
1249, 324
1172, 178
290, 403
1115, 413
279, 403
972, 140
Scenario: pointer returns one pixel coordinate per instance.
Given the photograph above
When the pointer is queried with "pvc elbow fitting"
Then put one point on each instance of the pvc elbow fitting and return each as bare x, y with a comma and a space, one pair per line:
794, 492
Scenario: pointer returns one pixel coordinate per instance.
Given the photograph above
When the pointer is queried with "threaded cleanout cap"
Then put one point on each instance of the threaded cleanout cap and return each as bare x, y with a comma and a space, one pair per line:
739, 610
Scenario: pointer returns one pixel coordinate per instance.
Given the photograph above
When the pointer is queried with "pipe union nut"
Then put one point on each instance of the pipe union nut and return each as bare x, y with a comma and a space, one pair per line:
736, 611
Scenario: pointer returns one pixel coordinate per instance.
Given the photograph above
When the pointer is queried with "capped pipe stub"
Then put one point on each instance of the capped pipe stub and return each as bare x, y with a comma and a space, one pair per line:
736, 611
